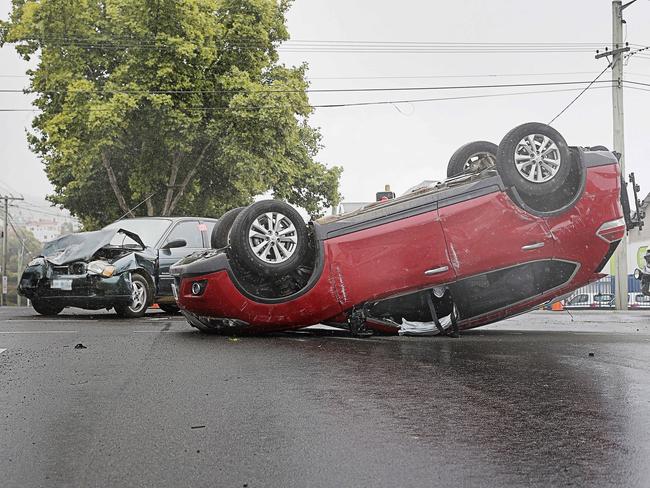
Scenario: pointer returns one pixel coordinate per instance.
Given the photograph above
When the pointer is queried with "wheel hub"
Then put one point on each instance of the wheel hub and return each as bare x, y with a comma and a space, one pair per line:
273, 237
537, 158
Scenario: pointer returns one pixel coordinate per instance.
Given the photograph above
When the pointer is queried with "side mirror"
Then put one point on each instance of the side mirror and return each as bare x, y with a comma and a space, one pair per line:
175, 243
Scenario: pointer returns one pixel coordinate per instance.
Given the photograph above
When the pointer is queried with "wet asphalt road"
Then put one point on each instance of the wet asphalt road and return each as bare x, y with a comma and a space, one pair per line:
152, 402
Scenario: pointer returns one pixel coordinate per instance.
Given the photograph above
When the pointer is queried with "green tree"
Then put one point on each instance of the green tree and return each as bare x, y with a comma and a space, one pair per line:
184, 100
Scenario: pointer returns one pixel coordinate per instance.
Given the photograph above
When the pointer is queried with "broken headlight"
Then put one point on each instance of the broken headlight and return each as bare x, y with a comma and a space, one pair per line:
36, 262
101, 268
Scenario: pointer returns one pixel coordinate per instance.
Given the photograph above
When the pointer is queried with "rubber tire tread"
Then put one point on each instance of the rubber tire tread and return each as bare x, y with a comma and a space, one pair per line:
506, 160
220, 232
47, 309
124, 311
244, 255
456, 164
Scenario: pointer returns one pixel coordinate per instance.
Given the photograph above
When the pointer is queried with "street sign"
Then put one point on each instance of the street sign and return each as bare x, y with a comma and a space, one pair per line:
4, 285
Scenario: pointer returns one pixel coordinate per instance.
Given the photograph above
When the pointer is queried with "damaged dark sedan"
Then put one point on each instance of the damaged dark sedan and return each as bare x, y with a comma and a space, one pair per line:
124, 266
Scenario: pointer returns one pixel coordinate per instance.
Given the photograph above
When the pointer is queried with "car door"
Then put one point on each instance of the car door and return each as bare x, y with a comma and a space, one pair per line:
500, 253
490, 232
393, 253
191, 231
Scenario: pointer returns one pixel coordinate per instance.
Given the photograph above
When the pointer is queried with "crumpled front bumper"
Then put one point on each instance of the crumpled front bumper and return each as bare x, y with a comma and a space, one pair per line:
87, 290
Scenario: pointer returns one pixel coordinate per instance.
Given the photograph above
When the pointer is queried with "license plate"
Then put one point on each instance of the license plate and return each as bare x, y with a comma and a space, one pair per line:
62, 284
174, 291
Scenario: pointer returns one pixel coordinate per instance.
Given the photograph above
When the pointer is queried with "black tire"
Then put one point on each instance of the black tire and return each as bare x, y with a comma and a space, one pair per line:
472, 157
221, 231
45, 308
516, 142
138, 306
168, 308
275, 264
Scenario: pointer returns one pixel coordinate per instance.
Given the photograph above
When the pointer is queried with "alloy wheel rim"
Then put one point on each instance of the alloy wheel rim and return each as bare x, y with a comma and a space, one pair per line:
138, 298
479, 162
273, 237
537, 158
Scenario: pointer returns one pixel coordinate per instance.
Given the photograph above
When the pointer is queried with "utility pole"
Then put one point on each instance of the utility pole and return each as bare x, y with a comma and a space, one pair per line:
617, 52
3, 296
20, 269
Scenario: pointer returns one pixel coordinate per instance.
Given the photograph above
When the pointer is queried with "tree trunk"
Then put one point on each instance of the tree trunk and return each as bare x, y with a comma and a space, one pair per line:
150, 210
176, 162
188, 178
116, 188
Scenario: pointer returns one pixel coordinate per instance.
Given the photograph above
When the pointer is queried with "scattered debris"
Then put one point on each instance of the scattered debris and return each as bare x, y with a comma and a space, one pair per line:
80, 346
591, 354
233, 339
197, 427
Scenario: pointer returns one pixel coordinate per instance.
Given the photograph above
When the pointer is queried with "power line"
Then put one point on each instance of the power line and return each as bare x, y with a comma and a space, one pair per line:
308, 90
636, 82
352, 104
467, 97
595, 80
337, 46
42, 212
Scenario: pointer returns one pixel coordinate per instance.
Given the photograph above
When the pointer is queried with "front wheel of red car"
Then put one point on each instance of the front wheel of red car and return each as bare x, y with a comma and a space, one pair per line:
534, 158
269, 238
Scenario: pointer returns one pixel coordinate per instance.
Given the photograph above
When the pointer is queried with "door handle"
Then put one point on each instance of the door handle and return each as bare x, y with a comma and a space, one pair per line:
435, 271
530, 247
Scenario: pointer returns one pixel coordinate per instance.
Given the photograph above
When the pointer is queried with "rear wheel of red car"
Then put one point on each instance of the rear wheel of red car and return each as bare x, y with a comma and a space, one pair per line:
45, 308
221, 231
472, 157
269, 238
534, 158
140, 299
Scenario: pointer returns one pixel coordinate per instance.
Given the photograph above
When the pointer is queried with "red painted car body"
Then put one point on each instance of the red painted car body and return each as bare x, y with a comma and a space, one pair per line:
496, 255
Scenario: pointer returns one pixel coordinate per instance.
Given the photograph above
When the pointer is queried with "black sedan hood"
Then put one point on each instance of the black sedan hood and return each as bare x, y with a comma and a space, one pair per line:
82, 245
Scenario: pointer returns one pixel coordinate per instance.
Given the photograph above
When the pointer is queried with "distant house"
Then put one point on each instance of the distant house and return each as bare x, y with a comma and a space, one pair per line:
45, 229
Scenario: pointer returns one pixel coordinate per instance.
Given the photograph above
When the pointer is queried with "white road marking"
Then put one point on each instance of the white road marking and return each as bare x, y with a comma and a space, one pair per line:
150, 331
2, 350
39, 332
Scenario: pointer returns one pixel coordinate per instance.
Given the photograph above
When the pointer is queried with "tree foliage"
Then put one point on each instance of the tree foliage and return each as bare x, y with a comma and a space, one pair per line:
184, 100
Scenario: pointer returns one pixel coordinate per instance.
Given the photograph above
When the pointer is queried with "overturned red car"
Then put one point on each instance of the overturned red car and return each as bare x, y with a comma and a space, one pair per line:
514, 226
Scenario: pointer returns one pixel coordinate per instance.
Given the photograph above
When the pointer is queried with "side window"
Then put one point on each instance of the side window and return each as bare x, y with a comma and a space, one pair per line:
208, 232
578, 299
189, 231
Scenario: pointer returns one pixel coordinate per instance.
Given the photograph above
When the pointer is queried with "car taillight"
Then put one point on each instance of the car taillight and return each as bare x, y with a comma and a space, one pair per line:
612, 231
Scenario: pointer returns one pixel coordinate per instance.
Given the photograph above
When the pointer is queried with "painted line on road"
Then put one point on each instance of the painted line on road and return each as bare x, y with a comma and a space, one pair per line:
151, 331
2, 350
39, 332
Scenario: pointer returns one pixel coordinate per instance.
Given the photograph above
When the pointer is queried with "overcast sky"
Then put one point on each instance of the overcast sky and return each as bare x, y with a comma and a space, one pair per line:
406, 143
